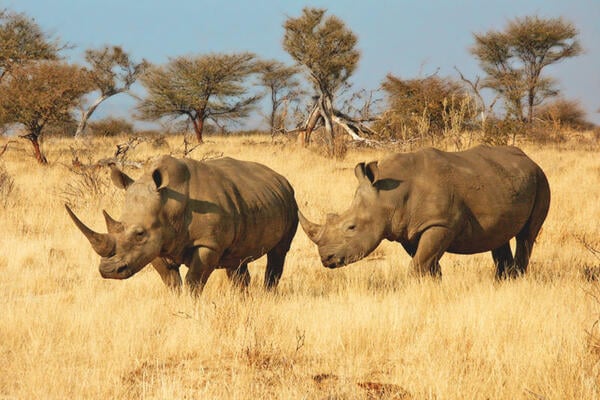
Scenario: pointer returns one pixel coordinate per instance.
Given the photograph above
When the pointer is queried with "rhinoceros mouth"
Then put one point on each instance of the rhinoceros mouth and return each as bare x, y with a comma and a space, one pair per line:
333, 262
122, 269
121, 272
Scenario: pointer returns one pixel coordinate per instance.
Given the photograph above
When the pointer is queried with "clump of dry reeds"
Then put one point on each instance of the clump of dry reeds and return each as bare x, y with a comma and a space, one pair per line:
7, 186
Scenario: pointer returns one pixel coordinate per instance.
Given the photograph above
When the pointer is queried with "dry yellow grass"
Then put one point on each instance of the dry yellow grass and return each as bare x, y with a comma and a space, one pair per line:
366, 331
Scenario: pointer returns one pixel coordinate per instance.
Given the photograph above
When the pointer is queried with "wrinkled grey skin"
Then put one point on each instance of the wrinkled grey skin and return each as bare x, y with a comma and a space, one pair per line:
433, 202
220, 213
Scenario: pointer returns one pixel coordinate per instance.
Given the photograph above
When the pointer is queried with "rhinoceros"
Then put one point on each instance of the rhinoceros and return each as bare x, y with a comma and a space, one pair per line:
220, 213
432, 202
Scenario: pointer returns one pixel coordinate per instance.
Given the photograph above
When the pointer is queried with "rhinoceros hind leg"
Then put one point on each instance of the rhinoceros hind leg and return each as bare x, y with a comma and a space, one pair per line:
276, 256
526, 237
239, 276
503, 259
525, 240
275, 261
169, 273
432, 245
201, 266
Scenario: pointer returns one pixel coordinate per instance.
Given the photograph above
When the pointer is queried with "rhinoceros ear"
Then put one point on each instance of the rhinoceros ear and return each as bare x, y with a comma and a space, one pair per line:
160, 178
119, 178
371, 171
366, 172
359, 171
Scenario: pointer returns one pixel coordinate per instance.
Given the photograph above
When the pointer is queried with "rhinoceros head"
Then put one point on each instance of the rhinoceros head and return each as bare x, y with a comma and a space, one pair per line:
352, 235
140, 235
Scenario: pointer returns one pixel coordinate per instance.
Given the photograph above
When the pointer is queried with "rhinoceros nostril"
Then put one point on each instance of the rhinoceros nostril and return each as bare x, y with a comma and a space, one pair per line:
121, 269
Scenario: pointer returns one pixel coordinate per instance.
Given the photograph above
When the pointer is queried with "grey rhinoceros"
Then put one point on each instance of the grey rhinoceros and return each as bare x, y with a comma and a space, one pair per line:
433, 202
219, 213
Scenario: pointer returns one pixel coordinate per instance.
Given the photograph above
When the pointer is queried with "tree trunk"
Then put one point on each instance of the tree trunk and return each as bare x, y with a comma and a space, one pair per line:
39, 156
311, 122
326, 108
274, 105
531, 100
4, 149
198, 128
86, 115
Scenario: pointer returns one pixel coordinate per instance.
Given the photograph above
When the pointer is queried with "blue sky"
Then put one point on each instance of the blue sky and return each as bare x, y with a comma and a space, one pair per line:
405, 38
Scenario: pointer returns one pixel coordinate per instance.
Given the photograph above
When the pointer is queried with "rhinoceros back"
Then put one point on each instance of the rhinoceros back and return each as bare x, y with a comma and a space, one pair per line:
241, 208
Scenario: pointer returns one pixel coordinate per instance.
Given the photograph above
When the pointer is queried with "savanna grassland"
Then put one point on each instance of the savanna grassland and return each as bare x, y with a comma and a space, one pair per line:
366, 331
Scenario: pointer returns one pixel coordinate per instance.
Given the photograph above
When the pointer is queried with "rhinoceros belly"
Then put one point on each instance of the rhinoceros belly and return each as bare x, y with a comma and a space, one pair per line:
488, 231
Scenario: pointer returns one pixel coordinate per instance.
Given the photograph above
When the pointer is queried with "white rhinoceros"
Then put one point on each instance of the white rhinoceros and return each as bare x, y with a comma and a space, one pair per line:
433, 202
211, 214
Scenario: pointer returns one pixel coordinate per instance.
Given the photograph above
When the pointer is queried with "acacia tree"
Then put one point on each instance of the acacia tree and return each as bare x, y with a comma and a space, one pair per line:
515, 58
199, 88
112, 72
40, 94
325, 47
23, 41
282, 86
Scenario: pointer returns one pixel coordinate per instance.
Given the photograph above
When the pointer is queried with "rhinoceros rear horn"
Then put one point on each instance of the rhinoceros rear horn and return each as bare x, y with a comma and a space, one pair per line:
112, 225
102, 244
312, 230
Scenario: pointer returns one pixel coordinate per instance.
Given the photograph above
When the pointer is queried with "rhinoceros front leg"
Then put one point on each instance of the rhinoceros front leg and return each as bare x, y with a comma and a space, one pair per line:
503, 259
432, 245
201, 266
169, 273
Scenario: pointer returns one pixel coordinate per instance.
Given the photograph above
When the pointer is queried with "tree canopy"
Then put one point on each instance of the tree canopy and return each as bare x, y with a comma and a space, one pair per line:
324, 46
23, 41
514, 59
203, 87
40, 94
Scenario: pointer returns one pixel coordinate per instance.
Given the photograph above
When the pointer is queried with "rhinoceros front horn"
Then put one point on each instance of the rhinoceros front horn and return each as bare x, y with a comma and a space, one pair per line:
102, 244
313, 231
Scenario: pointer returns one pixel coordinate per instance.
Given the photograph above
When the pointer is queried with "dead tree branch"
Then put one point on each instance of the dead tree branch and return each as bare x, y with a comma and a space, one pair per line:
595, 252
476, 89
4, 148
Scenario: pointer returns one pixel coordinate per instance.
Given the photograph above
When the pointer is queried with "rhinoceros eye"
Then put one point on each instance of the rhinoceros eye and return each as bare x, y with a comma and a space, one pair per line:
351, 227
139, 233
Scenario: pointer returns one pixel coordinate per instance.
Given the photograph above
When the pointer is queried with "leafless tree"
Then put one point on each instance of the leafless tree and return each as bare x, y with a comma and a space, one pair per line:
282, 87
112, 72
